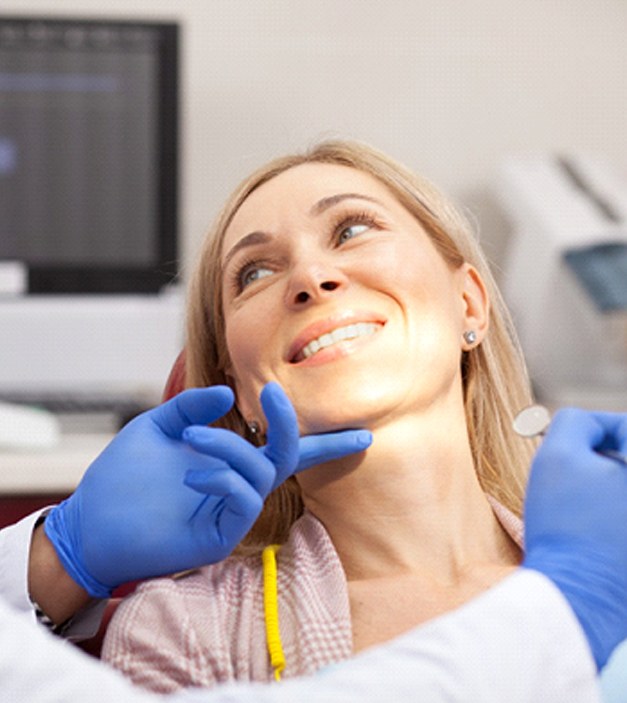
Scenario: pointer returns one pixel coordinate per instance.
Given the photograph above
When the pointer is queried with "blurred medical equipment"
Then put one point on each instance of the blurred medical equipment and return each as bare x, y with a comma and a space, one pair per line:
534, 421
27, 428
565, 277
93, 360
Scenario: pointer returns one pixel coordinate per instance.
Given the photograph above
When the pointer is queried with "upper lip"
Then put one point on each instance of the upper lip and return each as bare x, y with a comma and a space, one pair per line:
320, 327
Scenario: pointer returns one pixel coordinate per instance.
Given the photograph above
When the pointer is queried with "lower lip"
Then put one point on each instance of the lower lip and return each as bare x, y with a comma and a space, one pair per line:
337, 351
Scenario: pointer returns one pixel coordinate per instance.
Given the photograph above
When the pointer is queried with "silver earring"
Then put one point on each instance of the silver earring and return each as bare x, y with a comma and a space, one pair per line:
253, 427
470, 337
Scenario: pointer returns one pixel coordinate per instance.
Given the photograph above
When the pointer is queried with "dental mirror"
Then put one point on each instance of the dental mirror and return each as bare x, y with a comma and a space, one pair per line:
532, 421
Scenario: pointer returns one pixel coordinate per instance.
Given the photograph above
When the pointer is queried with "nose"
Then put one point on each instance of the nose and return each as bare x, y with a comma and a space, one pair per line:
314, 282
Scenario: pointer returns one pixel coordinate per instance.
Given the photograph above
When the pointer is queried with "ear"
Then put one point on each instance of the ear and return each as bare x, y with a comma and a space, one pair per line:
476, 305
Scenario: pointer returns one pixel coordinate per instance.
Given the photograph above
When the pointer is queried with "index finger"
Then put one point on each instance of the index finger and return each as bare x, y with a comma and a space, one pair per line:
317, 449
196, 406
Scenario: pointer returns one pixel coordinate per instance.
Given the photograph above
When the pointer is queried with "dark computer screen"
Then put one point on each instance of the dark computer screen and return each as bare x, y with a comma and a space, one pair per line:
88, 153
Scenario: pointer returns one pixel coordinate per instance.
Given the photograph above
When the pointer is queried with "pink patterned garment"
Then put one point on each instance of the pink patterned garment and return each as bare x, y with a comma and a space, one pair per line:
208, 627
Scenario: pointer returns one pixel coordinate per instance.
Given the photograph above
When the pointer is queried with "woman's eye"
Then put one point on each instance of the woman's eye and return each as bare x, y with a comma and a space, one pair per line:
351, 231
250, 274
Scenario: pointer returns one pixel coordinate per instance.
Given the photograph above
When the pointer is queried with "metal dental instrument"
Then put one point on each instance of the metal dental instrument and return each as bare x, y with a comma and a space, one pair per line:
534, 421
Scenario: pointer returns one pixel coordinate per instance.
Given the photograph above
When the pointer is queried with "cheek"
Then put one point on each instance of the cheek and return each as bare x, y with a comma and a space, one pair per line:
251, 341
427, 293
421, 283
243, 342
244, 363
402, 262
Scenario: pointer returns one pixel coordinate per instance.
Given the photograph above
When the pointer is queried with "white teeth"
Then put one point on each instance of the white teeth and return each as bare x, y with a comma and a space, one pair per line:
360, 329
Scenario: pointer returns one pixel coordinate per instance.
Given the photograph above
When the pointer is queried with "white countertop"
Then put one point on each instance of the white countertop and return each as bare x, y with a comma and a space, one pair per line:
55, 470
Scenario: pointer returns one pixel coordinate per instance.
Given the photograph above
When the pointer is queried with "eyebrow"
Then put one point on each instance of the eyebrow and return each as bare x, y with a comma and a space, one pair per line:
249, 240
332, 200
260, 237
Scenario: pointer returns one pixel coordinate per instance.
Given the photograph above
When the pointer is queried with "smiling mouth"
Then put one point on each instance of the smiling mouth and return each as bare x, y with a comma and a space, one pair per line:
339, 334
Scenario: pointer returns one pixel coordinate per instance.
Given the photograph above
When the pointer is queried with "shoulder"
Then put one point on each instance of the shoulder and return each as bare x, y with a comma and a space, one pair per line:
188, 630
208, 626
510, 522
176, 598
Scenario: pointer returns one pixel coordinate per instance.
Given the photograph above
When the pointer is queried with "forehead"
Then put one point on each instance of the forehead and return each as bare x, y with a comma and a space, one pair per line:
293, 193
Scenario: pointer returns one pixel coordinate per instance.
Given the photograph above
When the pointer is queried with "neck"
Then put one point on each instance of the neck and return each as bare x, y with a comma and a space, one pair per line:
411, 504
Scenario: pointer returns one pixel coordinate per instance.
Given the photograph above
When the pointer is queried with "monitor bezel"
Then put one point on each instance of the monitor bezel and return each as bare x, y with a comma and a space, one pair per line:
119, 279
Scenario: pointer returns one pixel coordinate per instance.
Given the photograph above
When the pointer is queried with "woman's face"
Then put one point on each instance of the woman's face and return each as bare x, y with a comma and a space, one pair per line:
333, 289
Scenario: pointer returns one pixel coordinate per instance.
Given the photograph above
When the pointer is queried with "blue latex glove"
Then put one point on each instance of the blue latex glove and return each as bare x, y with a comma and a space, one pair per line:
133, 517
576, 521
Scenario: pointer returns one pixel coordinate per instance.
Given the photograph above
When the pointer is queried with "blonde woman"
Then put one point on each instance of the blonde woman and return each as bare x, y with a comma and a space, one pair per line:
359, 289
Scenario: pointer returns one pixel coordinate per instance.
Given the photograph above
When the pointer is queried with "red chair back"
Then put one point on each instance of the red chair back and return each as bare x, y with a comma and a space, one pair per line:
176, 380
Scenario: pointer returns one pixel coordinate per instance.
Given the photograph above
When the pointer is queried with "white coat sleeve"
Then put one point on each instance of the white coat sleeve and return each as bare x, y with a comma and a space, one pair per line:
14, 551
518, 642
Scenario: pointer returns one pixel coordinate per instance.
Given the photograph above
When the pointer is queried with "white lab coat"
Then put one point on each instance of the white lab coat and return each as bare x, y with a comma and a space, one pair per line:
519, 642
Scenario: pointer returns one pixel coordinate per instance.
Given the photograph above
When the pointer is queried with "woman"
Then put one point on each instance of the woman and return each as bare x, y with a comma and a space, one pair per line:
360, 290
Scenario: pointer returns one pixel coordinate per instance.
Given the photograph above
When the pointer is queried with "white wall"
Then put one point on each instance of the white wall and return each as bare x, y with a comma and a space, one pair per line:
450, 87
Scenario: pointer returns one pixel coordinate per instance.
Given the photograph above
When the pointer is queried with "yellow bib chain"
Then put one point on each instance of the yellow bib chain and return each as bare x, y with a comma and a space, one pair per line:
271, 609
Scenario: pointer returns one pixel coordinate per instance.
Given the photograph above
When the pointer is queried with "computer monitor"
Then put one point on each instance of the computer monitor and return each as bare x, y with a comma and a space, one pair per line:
88, 154
88, 206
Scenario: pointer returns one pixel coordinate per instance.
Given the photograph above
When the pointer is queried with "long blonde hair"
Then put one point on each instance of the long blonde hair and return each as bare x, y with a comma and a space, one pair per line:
495, 381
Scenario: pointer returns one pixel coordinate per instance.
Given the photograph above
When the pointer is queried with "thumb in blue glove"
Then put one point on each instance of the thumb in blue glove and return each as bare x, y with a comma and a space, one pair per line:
576, 521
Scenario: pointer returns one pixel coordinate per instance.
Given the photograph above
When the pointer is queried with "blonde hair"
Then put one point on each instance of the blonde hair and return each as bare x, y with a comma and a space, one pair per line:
495, 381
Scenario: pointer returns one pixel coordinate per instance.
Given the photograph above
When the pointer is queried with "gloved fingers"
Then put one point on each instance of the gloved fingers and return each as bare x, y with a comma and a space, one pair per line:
282, 431
615, 426
583, 430
318, 448
621, 433
196, 406
238, 516
241, 456
228, 485
575, 425
242, 505
232, 510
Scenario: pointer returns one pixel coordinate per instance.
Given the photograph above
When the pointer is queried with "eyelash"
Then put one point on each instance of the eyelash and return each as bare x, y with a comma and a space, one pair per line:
341, 222
237, 277
361, 217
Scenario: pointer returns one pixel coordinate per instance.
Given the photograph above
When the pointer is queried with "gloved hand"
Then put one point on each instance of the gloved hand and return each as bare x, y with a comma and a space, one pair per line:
133, 517
576, 521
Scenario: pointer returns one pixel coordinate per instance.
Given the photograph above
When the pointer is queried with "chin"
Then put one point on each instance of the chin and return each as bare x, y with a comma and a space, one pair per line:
342, 410
324, 425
